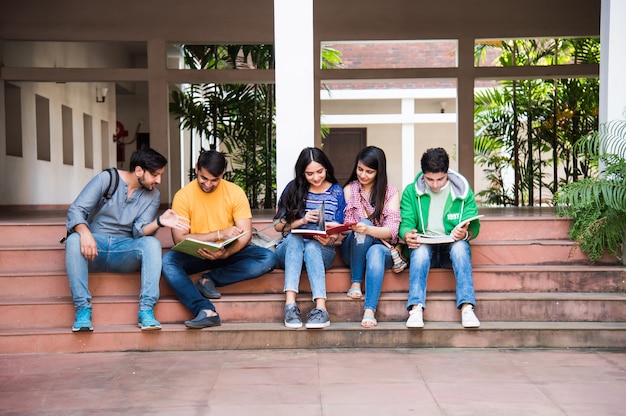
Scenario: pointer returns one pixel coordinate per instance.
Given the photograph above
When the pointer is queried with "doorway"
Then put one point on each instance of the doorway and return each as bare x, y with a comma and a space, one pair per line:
341, 146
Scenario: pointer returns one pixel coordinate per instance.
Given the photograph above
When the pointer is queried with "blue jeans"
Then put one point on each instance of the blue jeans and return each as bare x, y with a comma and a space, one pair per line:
372, 257
295, 250
248, 263
456, 256
115, 255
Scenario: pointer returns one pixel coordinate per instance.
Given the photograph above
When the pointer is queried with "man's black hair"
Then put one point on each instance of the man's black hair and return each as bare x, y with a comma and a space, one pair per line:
213, 162
435, 160
147, 159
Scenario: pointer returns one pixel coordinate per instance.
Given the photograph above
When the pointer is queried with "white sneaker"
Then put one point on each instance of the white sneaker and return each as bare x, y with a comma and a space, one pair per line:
416, 319
468, 317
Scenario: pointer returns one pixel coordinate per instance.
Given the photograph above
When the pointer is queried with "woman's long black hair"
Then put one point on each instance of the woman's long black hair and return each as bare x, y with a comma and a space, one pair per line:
292, 204
374, 158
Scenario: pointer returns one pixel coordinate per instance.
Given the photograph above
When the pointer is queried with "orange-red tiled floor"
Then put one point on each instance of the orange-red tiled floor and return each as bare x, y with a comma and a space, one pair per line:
317, 382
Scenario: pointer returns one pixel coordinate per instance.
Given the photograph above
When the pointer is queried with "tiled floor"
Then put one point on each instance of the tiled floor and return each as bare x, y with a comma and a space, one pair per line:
317, 382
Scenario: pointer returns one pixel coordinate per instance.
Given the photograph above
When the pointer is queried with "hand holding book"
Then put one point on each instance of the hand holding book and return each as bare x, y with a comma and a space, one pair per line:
191, 246
445, 239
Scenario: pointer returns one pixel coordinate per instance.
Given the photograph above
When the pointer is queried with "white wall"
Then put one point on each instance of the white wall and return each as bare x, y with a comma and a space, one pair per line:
52, 182
26, 181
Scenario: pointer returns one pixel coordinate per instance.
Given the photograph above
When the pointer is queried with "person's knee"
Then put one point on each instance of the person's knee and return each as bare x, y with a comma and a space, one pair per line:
312, 248
168, 262
420, 255
151, 244
460, 250
377, 250
269, 260
72, 242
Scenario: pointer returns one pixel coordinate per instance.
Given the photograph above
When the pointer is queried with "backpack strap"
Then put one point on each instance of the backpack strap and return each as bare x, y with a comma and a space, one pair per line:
114, 181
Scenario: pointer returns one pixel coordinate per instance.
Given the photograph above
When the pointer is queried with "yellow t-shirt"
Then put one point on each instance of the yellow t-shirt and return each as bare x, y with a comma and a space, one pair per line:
209, 212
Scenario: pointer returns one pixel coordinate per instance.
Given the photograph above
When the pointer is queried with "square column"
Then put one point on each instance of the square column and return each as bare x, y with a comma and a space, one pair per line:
295, 86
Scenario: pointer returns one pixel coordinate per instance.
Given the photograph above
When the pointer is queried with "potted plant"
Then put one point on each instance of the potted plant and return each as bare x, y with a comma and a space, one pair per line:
597, 203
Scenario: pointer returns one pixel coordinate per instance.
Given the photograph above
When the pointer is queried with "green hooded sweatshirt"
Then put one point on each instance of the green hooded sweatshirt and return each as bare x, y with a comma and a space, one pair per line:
459, 206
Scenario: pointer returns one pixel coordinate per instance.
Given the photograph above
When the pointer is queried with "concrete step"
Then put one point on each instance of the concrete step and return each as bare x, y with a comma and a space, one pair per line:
509, 306
47, 234
534, 289
535, 252
245, 336
493, 228
491, 278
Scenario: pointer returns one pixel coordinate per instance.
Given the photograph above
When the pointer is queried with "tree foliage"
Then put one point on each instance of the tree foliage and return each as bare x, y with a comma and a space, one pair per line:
526, 129
238, 116
597, 204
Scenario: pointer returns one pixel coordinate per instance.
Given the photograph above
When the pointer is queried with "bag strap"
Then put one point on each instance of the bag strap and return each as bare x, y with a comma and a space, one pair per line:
268, 226
113, 173
114, 181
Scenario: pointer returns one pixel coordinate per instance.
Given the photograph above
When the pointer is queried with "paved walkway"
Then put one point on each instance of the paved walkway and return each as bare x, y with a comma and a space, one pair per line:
340, 382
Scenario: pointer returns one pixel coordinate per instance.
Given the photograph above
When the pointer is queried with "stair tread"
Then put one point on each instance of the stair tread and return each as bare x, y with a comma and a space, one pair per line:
337, 297
334, 326
346, 269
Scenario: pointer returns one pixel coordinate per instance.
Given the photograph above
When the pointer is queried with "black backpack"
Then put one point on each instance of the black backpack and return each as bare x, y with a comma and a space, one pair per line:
114, 181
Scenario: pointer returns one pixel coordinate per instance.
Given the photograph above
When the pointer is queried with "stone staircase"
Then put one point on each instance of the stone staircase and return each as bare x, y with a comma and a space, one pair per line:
534, 289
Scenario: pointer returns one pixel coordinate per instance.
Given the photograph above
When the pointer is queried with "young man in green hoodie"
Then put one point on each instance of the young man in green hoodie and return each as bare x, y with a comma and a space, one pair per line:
437, 205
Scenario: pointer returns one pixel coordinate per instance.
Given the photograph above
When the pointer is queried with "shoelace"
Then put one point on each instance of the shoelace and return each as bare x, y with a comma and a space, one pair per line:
294, 312
315, 313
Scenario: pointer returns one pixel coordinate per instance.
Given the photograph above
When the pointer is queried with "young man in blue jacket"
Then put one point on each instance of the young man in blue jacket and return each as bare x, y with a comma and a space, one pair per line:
436, 205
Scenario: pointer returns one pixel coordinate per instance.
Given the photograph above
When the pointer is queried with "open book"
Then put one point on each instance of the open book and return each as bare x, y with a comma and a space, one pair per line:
321, 226
443, 239
191, 245
309, 233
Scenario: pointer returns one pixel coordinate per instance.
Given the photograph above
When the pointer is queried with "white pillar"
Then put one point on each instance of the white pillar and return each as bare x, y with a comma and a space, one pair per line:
408, 143
295, 87
612, 60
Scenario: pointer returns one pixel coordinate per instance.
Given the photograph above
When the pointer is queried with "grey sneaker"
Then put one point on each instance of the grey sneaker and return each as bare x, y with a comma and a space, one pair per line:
292, 316
317, 318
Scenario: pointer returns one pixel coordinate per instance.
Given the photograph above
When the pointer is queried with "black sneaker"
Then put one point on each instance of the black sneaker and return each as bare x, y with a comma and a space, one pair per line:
207, 289
202, 320
292, 316
317, 318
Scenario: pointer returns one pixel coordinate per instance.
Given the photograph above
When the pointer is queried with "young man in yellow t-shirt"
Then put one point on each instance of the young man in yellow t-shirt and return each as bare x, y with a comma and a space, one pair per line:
217, 210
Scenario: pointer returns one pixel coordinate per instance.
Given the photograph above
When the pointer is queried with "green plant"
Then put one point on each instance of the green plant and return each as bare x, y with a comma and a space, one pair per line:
525, 129
597, 204
239, 117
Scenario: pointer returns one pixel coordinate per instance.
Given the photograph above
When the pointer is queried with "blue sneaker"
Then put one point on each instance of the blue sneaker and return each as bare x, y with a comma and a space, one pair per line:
83, 321
147, 321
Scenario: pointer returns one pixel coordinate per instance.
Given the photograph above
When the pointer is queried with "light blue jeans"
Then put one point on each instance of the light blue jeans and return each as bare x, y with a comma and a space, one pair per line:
115, 255
370, 256
456, 256
294, 251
